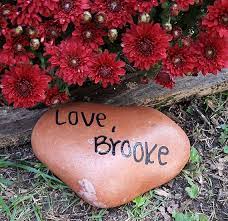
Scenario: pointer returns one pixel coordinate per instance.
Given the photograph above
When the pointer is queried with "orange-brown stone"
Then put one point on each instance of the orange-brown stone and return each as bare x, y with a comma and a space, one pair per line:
109, 155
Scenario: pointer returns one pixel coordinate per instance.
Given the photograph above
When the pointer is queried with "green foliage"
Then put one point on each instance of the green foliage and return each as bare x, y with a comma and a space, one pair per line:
24, 166
192, 190
189, 216
195, 157
225, 149
139, 208
139, 201
224, 135
4, 207
99, 215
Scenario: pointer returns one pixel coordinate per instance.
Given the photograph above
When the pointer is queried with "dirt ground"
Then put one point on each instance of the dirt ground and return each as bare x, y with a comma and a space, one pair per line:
28, 191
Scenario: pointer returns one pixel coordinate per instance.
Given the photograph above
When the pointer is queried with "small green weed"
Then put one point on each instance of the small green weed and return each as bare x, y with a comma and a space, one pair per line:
195, 157
192, 190
99, 215
225, 149
189, 216
224, 134
138, 211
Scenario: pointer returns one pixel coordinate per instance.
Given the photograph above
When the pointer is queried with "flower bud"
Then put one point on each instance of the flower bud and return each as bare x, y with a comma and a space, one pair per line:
112, 34
31, 32
168, 27
100, 18
35, 43
145, 18
18, 30
87, 34
87, 16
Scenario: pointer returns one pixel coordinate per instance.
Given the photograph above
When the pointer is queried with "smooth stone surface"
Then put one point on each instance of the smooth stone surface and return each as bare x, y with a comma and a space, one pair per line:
109, 155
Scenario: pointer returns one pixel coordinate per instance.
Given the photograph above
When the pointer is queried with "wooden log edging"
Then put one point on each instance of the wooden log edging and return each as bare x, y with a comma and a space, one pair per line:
16, 124
154, 95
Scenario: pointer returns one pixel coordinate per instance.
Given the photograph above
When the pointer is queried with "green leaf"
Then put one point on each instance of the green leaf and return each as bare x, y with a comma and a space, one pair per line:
195, 157
224, 134
189, 217
181, 217
139, 201
4, 207
225, 127
193, 191
37, 212
225, 149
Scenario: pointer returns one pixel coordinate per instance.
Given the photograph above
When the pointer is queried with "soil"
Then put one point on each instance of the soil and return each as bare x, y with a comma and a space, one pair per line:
29, 193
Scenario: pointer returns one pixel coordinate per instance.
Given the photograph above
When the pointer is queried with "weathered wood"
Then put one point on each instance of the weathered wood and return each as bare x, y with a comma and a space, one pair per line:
16, 124
155, 95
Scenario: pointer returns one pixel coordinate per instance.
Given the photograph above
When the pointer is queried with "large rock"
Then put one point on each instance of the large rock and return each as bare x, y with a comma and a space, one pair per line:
109, 155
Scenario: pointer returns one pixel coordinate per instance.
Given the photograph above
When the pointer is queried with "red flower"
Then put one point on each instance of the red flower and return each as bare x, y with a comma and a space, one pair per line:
16, 45
180, 61
7, 11
145, 44
184, 4
54, 96
73, 60
31, 10
49, 31
6, 58
24, 85
212, 53
143, 5
90, 35
165, 79
70, 10
106, 69
216, 19
116, 12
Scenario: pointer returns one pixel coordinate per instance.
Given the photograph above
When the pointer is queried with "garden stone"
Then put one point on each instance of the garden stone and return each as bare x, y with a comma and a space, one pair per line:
109, 155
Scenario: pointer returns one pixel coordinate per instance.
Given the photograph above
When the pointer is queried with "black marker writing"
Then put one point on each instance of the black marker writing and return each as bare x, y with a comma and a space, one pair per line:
75, 118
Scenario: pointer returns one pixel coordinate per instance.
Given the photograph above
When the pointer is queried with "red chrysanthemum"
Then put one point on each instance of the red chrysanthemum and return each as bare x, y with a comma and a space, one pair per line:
24, 85
30, 11
212, 53
116, 12
49, 31
180, 60
90, 35
106, 69
143, 5
54, 96
145, 44
165, 79
6, 58
216, 19
184, 4
73, 60
7, 11
70, 10
16, 45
